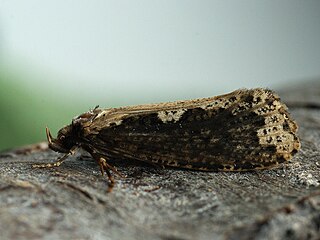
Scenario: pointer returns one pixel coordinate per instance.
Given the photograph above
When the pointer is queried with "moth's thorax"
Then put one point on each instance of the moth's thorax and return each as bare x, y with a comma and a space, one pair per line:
86, 118
93, 121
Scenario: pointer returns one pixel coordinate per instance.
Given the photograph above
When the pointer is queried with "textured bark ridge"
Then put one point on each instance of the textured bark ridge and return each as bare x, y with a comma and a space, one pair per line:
155, 203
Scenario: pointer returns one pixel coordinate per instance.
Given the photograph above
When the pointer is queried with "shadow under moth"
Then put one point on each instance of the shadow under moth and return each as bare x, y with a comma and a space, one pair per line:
240, 131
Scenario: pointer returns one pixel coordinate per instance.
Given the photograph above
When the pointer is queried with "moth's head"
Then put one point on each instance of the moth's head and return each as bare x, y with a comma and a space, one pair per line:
64, 141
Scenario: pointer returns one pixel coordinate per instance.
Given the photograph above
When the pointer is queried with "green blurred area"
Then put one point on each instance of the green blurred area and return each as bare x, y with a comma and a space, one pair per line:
25, 113
28, 104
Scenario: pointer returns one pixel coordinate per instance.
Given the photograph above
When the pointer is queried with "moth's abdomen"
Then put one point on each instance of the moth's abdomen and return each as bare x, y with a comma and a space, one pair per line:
250, 129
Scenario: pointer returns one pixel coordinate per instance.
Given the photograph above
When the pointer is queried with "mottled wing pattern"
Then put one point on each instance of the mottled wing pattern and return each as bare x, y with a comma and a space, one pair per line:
243, 130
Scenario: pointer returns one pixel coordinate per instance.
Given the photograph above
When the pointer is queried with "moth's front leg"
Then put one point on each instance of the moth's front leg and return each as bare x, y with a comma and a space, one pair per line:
58, 162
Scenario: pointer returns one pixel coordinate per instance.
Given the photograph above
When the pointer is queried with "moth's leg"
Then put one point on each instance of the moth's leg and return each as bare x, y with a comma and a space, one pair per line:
101, 160
58, 162
105, 167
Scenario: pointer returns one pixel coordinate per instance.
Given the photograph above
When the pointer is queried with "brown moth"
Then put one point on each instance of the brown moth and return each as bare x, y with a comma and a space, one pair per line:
240, 131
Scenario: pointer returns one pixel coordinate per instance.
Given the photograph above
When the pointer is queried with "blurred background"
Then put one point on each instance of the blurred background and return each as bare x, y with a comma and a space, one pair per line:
60, 58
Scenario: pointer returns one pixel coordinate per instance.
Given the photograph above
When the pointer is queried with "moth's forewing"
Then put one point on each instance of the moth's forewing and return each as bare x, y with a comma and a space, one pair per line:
243, 130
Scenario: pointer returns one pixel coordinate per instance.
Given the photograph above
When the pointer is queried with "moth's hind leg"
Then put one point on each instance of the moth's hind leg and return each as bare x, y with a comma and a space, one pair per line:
105, 167
56, 163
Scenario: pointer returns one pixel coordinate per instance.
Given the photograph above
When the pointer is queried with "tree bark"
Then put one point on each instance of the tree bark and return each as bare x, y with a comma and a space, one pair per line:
71, 201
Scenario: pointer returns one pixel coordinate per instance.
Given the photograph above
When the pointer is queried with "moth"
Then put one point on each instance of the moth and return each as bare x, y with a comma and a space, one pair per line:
243, 130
